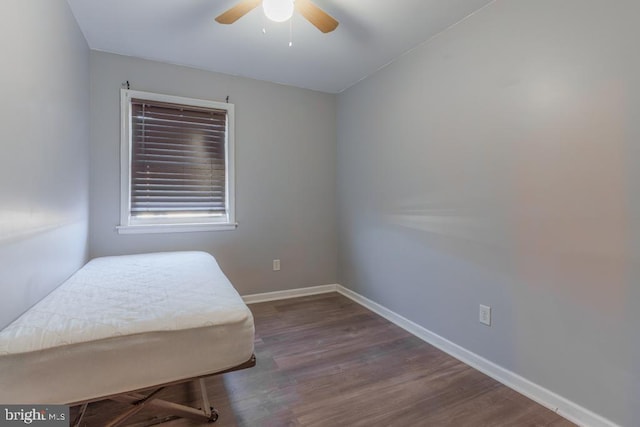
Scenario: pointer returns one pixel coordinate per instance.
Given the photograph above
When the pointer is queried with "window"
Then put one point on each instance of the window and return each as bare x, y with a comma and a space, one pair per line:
176, 164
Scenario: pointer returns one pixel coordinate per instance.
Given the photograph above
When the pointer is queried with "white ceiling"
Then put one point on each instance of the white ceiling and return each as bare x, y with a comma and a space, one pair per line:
371, 34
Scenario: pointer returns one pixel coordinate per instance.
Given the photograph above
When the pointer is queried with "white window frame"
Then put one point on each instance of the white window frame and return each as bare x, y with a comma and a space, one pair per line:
129, 225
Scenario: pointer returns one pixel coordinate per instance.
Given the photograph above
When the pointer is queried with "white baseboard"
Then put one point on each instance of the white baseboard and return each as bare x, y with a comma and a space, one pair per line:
564, 407
291, 293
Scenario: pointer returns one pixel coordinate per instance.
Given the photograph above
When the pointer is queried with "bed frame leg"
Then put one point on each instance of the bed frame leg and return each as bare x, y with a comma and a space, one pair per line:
206, 406
138, 406
208, 410
80, 416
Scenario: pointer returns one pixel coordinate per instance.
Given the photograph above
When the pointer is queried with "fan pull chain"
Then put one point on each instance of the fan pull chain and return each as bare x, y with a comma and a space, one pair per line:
291, 31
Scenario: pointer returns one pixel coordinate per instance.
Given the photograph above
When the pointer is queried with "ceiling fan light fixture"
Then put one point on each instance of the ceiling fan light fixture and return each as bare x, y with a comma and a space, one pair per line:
278, 10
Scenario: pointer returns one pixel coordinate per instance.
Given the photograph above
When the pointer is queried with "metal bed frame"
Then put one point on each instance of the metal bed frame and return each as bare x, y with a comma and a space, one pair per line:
139, 400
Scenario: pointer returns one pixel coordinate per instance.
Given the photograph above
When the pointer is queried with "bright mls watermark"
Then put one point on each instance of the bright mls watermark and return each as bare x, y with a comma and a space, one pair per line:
36, 415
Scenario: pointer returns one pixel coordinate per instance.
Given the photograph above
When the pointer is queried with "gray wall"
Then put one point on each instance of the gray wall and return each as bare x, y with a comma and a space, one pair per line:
45, 144
499, 164
285, 174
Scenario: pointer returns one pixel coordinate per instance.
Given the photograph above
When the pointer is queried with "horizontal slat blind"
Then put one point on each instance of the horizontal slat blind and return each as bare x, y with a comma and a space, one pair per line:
177, 159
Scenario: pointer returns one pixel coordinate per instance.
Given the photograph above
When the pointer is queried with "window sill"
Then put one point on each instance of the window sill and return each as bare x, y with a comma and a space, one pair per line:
173, 228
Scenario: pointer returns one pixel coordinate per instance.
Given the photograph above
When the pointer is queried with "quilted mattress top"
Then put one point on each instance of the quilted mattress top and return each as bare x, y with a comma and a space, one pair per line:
126, 295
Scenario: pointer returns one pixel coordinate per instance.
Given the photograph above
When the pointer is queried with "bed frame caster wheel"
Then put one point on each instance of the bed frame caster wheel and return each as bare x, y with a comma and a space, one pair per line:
214, 416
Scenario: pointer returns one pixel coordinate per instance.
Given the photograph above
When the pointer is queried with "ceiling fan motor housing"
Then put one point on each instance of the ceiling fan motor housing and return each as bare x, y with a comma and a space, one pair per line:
278, 10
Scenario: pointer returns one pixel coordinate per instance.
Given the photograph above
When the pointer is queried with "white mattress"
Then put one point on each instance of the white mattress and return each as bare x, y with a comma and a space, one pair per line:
125, 323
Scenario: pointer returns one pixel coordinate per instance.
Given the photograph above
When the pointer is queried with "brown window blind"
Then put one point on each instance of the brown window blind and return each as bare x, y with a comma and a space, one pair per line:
177, 159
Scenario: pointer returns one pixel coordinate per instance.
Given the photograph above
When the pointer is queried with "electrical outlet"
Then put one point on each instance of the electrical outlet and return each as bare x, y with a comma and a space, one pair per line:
276, 265
485, 314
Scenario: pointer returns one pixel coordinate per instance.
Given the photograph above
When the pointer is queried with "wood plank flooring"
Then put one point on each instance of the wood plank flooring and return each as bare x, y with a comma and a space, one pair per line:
327, 361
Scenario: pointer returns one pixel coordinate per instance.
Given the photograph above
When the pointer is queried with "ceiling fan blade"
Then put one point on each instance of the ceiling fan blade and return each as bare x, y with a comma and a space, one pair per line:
318, 17
237, 11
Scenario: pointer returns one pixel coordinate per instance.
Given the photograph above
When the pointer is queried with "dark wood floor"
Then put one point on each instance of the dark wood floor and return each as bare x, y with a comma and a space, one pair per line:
326, 361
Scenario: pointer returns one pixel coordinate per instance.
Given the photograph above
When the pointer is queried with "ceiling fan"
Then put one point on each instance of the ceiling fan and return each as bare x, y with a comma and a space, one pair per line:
280, 11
